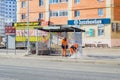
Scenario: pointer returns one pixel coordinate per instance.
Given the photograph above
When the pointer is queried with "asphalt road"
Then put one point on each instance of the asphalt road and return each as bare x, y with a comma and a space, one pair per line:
34, 69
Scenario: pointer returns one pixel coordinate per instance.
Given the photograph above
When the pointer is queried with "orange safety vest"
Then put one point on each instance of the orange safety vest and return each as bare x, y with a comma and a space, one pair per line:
44, 40
64, 42
75, 45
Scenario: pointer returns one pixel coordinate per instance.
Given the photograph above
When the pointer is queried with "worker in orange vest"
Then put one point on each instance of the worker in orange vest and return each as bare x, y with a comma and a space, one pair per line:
64, 45
73, 48
44, 41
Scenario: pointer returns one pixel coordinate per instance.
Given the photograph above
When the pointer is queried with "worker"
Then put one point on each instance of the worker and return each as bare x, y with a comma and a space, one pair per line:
73, 48
64, 45
44, 41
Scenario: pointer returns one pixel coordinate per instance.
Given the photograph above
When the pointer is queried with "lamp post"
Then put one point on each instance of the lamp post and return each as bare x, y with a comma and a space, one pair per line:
28, 36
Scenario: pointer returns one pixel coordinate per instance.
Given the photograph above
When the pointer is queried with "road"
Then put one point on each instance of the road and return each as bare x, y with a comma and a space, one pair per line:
35, 69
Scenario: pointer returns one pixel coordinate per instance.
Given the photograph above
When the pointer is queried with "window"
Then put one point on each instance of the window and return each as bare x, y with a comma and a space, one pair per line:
100, 12
54, 1
58, 13
53, 13
100, 0
57, 1
50, 1
41, 2
63, 13
23, 16
63, 1
117, 26
113, 27
77, 13
13, 2
101, 30
91, 32
40, 15
23, 4
77, 1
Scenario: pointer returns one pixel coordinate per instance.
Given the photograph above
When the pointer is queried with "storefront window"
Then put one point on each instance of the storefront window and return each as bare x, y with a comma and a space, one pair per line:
101, 30
118, 27
91, 32
115, 27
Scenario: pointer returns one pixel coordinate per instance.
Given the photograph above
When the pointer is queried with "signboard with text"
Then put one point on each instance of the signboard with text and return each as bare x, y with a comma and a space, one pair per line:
19, 24
89, 21
31, 33
10, 30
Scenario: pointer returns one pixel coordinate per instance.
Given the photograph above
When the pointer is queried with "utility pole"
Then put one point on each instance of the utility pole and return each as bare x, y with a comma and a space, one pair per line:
28, 36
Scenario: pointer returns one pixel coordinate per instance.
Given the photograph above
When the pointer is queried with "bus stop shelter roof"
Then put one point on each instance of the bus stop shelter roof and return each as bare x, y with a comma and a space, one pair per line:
61, 29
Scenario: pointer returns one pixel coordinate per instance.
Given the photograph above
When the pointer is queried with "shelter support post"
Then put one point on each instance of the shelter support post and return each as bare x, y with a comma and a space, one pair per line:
37, 42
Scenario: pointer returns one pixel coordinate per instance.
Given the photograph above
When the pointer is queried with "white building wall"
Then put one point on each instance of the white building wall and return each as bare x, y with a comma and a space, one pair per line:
105, 39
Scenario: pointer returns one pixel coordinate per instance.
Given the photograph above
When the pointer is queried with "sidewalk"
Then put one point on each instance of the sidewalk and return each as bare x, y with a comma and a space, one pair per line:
90, 55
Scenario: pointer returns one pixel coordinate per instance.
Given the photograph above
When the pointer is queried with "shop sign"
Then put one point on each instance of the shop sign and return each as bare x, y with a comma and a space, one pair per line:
22, 24
31, 33
89, 21
10, 30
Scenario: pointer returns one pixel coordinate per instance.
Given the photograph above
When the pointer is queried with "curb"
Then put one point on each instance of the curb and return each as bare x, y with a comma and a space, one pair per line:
75, 60
84, 59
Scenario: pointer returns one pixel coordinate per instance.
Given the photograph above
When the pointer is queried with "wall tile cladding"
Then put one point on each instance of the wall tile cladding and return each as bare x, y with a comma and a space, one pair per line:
116, 10
89, 9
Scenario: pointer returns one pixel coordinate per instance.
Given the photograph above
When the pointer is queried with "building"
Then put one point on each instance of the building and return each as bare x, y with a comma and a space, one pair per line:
99, 18
7, 16
10, 11
2, 11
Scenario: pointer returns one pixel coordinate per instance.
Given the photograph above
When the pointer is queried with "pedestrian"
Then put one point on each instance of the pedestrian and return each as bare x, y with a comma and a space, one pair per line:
44, 41
64, 45
73, 48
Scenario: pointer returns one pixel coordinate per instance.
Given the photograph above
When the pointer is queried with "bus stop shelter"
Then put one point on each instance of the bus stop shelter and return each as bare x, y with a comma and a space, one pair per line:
60, 30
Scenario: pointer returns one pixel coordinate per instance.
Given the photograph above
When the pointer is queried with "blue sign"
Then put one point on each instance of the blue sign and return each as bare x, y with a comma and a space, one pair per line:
89, 21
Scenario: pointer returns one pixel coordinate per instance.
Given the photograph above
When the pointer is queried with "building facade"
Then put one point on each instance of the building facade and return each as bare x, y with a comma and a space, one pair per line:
10, 11
7, 16
99, 18
2, 11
